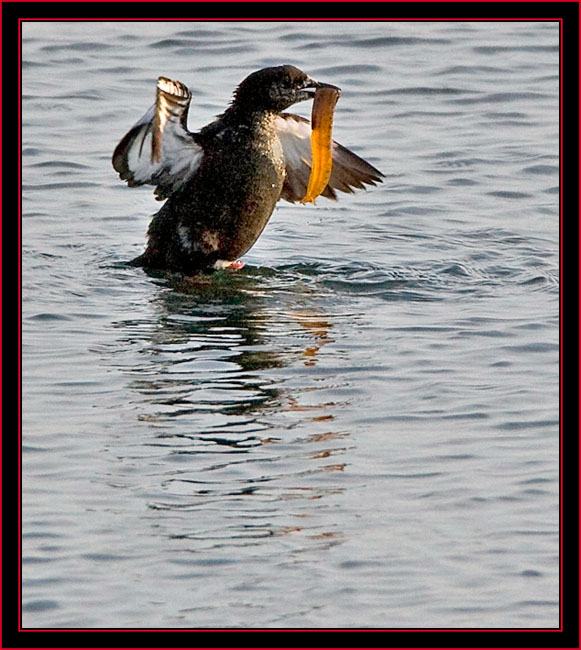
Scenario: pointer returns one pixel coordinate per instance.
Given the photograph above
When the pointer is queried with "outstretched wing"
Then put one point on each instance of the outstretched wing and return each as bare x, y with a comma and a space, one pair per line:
159, 150
349, 172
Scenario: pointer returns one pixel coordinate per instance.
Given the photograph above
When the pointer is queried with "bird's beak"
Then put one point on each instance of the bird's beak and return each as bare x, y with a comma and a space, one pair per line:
310, 87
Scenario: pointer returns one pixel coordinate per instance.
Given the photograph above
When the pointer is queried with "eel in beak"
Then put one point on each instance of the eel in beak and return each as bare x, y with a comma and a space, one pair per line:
326, 97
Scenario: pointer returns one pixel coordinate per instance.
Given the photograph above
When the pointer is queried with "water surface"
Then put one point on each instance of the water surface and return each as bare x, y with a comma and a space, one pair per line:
360, 429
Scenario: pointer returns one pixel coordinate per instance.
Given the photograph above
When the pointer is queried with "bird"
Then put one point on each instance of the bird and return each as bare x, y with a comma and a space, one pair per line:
221, 184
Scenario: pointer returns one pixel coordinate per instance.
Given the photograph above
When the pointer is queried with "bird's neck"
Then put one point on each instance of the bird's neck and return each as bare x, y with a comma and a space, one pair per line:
236, 114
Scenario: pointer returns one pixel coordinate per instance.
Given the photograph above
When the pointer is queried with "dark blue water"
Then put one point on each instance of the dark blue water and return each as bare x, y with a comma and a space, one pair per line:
360, 429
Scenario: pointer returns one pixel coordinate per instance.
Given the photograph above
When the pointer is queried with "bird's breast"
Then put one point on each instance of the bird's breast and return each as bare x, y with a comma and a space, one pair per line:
232, 196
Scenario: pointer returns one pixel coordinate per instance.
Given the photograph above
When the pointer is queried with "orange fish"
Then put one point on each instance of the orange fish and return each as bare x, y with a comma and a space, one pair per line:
321, 138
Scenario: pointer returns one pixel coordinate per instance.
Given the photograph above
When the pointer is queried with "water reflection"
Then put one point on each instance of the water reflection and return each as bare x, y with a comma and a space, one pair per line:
319, 328
212, 343
224, 381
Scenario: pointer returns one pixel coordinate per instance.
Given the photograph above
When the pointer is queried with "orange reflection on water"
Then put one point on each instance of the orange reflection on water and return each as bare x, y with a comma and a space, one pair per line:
319, 327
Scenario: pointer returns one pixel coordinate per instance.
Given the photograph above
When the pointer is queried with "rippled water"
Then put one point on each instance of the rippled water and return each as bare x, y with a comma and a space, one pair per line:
360, 429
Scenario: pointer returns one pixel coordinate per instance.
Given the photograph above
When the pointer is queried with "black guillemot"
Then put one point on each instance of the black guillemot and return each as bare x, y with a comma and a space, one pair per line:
223, 182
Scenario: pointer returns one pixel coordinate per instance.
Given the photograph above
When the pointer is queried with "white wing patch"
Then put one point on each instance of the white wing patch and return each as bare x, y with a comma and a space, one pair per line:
159, 150
349, 170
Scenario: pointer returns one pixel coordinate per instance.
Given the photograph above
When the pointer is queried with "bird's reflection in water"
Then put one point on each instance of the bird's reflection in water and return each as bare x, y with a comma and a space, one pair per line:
319, 327
226, 383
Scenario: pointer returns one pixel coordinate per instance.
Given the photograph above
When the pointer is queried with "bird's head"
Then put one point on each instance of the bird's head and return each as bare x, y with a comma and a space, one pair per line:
275, 89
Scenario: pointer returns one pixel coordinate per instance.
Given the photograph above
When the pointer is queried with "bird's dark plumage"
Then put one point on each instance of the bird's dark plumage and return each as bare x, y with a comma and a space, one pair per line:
223, 182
